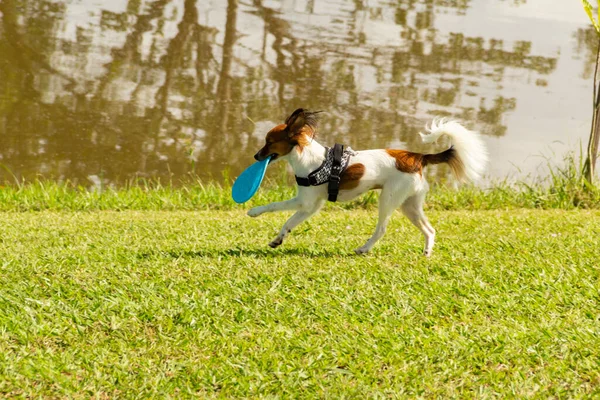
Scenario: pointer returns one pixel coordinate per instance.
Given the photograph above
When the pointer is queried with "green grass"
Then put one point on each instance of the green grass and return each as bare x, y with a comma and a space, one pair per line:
564, 188
181, 304
195, 195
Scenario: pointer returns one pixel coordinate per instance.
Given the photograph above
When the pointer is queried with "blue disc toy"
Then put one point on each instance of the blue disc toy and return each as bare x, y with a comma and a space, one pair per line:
249, 181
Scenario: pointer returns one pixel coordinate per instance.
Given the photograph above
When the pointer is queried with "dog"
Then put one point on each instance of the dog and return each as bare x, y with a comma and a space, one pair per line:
398, 173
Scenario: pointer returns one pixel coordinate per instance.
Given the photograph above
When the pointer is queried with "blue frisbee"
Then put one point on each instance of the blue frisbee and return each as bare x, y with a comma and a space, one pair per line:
249, 181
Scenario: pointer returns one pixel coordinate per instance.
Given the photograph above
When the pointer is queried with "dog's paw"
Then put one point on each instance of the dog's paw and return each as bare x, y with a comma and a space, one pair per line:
427, 253
361, 250
276, 243
254, 212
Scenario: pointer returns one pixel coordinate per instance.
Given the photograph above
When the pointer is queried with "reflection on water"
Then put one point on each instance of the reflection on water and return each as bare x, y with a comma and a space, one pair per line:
111, 90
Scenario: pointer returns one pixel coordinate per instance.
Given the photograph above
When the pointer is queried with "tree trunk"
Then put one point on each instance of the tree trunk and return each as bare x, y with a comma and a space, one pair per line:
592, 148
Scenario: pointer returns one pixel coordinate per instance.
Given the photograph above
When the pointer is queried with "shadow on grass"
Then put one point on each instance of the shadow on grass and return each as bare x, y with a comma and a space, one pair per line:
243, 252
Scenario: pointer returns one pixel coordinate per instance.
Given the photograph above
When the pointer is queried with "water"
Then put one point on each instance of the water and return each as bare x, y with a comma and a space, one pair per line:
97, 90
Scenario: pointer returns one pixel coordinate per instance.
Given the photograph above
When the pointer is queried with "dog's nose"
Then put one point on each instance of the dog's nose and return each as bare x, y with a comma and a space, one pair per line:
256, 157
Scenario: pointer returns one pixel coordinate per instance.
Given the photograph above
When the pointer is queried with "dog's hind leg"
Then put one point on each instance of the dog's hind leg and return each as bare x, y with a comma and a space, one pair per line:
295, 220
413, 209
389, 200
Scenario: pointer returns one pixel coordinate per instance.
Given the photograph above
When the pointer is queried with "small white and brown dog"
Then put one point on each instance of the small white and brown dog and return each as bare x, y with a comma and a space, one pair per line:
398, 173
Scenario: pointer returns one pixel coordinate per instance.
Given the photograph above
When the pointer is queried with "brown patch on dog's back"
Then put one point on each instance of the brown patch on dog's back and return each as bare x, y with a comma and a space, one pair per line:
351, 176
406, 161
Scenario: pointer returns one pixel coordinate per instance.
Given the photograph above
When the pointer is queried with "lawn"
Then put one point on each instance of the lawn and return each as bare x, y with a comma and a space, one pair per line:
194, 303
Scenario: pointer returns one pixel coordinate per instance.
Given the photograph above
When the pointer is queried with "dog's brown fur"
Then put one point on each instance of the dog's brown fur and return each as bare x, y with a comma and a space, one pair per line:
351, 176
407, 161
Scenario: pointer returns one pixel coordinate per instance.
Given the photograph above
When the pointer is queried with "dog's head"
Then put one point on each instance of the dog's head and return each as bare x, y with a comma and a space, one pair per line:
297, 131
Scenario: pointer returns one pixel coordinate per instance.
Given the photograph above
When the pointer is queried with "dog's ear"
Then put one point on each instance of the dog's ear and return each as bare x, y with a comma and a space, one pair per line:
296, 121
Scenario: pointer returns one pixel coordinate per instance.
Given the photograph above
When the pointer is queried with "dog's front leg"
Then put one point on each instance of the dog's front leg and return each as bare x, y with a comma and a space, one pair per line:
294, 221
292, 204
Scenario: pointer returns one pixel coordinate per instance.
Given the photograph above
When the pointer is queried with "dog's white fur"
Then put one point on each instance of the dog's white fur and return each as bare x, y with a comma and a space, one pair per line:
399, 189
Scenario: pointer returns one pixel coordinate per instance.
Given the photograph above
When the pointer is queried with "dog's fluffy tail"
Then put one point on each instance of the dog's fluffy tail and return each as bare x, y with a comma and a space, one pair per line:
467, 157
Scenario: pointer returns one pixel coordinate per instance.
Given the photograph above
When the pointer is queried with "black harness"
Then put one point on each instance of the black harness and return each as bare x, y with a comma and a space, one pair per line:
330, 171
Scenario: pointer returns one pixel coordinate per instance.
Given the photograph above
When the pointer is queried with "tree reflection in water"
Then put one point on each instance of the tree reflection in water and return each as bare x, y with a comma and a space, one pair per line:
165, 88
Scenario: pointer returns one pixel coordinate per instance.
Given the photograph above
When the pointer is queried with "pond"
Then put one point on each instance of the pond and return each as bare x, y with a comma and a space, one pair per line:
111, 90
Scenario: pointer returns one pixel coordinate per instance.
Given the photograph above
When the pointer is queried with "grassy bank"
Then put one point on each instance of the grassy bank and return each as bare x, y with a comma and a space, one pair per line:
151, 304
564, 188
195, 195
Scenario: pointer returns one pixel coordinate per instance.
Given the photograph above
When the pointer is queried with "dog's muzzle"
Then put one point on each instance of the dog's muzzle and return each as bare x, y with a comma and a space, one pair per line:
260, 157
